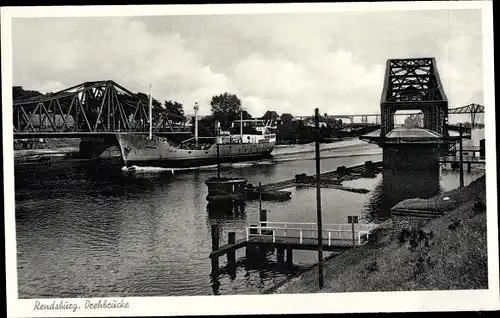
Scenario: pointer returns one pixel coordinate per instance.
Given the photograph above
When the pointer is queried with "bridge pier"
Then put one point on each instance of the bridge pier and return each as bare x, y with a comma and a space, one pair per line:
280, 255
410, 171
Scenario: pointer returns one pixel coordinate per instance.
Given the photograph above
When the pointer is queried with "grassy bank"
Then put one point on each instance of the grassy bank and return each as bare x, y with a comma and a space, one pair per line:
447, 253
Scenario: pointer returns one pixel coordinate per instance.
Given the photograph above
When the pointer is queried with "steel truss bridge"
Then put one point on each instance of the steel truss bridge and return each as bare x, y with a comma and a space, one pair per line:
97, 108
414, 85
103, 108
472, 109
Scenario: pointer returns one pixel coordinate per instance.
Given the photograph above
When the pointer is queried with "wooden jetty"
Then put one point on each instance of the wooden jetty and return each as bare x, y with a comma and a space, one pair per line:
289, 236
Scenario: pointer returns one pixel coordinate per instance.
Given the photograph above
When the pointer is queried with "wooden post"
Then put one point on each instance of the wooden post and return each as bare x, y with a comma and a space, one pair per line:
353, 241
263, 216
318, 202
231, 254
215, 246
280, 255
218, 163
461, 158
289, 254
215, 237
260, 196
353, 219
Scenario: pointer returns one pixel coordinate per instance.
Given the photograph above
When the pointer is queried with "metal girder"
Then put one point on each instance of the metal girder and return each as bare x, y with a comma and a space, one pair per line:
467, 109
414, 84
93, 107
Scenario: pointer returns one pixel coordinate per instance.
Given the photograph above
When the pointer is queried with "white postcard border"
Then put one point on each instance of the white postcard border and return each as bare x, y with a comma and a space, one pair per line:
257, 304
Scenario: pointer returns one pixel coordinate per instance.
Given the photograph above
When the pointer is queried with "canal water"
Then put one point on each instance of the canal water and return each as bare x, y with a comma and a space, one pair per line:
89, 229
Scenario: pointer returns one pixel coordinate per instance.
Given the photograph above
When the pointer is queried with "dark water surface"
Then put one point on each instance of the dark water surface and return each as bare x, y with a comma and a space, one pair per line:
87, 229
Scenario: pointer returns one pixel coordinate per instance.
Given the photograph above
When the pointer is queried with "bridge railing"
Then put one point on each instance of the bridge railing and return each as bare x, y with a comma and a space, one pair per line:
330, 233
465, 159
312, 225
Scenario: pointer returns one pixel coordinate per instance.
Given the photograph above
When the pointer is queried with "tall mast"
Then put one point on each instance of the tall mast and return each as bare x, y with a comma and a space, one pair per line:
150, 111
196, 108
241, 123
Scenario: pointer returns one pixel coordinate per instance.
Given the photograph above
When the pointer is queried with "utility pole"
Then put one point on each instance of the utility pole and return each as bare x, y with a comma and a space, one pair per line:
218, 163
150, 111
460, 154
196, 108
241, 124
318, 202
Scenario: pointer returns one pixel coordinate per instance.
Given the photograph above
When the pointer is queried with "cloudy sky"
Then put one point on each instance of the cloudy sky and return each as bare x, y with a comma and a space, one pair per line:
284, 62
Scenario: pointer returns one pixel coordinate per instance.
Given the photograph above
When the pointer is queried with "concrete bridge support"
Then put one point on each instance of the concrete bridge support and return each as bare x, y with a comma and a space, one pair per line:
411, 171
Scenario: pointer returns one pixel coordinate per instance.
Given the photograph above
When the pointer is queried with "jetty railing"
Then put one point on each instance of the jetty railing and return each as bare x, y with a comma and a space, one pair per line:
307, 225
302, 231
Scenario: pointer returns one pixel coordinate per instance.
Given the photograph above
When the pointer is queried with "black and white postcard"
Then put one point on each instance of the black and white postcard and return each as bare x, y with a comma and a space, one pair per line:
249, 159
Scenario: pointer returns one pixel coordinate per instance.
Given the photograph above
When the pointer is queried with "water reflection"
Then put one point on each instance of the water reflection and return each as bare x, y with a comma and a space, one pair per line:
85, 229
226, 209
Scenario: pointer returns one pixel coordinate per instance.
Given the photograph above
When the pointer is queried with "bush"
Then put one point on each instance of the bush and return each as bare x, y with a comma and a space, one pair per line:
372, 267
454, 224
404, 235
479, 205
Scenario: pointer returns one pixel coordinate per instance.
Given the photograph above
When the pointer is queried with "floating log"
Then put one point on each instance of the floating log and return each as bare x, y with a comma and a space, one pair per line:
254, 194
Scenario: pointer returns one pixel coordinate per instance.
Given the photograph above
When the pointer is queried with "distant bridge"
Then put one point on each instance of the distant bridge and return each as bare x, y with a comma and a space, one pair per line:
472, 109
96, 108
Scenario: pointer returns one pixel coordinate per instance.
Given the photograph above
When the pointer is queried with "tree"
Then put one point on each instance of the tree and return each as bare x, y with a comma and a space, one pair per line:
176, 109
271, 115
286, 118
226, 109
206, 126
19, 93
145, 97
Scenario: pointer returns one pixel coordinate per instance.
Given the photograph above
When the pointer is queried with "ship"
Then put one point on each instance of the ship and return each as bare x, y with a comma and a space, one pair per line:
247, 139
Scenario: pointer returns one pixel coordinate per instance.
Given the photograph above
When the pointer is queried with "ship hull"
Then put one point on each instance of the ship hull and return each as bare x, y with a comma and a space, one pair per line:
159, 152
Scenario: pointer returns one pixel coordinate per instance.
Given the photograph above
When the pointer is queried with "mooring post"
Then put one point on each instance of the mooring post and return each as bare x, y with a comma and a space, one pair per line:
215, 265
231, 254
215, 237
318, 202
461, 158
215, 246
260, 196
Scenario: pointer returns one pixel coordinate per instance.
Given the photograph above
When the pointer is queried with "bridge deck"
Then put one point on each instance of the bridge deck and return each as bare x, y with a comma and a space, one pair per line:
80, 134
410, 135
307, 243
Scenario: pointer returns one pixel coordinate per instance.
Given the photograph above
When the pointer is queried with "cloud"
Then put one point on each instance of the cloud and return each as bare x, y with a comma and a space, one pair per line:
334, 82
116, 49
283, 62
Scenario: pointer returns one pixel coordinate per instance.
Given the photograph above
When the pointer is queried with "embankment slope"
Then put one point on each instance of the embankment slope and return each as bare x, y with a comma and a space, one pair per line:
447, 253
